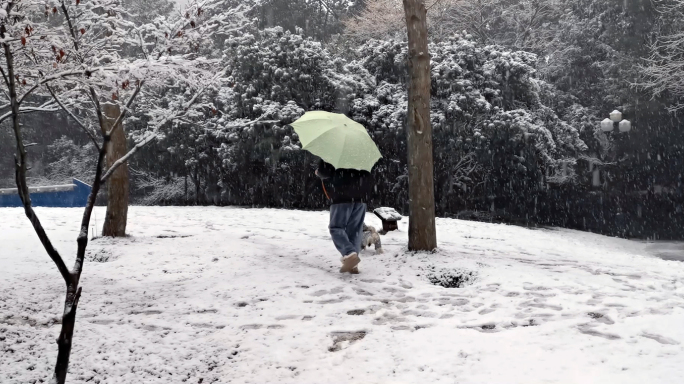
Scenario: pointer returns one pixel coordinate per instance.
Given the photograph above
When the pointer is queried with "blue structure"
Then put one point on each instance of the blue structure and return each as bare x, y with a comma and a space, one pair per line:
69, 195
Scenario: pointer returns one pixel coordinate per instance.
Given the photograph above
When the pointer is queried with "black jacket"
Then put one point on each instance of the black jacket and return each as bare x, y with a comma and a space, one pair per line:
345, 185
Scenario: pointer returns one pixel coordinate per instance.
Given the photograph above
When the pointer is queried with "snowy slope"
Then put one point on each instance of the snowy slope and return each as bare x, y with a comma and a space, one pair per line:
230, 295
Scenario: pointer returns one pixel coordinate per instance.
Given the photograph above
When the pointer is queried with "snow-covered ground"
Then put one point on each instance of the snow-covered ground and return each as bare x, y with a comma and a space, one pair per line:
230, 295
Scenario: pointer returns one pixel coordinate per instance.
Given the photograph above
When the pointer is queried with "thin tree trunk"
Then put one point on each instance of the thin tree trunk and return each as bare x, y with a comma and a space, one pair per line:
422, 235
197, 185
118, 184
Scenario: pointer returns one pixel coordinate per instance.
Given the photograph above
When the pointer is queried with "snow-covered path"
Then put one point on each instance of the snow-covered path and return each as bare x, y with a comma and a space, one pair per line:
230, 295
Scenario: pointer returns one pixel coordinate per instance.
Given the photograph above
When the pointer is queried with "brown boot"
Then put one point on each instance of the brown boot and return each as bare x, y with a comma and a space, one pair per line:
349, 262
354, 271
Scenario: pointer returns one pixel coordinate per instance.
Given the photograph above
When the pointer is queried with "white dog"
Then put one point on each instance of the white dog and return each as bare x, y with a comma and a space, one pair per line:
371, 237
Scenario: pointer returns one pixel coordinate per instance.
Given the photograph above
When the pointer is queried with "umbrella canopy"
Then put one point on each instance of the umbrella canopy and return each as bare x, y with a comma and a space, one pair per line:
337, 139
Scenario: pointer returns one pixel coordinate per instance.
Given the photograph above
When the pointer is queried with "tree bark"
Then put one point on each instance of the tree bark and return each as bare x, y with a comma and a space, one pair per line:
422, 234
118, 184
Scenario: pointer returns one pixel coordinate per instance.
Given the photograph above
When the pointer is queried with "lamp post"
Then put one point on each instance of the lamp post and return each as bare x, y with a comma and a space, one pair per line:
614, 123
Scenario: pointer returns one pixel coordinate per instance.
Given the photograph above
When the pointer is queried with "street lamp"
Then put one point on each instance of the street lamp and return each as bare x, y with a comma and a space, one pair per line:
614, 123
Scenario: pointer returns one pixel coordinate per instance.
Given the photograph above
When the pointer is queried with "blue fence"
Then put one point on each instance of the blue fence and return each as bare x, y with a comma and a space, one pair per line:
69, 195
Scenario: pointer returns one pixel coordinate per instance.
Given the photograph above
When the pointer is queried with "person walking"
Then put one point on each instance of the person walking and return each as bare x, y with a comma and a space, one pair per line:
347, 155
348, 191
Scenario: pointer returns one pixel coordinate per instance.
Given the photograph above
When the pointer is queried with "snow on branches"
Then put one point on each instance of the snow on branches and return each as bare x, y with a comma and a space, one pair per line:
665, 67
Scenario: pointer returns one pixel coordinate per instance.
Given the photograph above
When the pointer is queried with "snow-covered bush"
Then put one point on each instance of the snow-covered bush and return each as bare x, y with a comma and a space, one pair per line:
274, 76
492, 132
66, 160
498, 130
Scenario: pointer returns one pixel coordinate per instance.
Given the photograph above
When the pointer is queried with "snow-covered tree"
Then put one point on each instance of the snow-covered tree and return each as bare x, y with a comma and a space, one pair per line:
146, 11
319, 19
664, 69
519, 24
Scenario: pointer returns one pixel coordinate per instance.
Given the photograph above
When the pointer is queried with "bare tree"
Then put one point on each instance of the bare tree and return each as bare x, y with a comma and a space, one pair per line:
521, 24
422, 233
664, 69
71, 276
379, 19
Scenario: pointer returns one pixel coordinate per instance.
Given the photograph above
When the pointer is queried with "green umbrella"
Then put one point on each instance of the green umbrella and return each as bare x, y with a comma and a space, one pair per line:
337, 139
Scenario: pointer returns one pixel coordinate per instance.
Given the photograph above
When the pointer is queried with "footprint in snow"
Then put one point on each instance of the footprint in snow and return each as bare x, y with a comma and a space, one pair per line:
405, 284
593, 332
535, 288
102, 321
401, 328
372, 281
460, 302
416, 313
601, 318
342, 340
389, 318
251, 326
362, 292
541, 305
337, 290
486, 311
334, 301
205, 325
659, 338
146, 312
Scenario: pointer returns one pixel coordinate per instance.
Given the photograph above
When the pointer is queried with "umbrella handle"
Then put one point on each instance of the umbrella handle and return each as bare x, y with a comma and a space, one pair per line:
324, 190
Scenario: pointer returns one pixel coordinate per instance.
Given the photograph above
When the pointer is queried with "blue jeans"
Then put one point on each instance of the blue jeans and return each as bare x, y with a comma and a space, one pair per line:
346, 226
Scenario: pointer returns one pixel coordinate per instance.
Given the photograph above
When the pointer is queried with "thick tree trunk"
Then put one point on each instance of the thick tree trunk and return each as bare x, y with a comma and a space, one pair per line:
118, 184
422, 235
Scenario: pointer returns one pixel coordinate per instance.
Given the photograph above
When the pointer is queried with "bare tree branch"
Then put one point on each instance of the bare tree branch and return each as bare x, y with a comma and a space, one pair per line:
71, 26
4, 76
82, 239
60, 75
98, 108
43, 108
